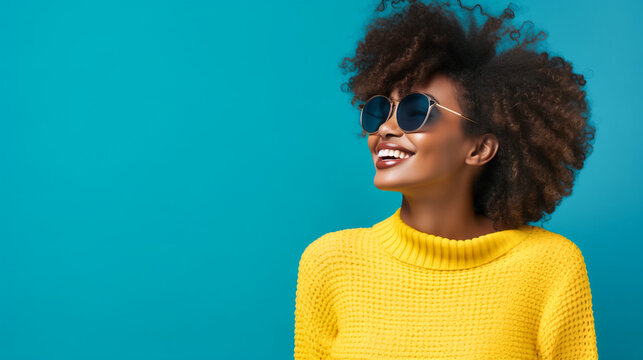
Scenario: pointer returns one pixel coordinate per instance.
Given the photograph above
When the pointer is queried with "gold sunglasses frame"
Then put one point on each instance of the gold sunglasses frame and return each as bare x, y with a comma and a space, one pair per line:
393, 107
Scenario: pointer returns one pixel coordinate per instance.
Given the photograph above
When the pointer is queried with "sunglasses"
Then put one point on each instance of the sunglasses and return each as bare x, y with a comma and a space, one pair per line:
415, 111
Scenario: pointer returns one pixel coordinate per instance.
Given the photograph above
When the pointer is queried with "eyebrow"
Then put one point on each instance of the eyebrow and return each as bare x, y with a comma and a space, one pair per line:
431, 95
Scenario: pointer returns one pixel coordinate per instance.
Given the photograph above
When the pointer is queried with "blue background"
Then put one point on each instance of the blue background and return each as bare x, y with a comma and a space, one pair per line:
164, 164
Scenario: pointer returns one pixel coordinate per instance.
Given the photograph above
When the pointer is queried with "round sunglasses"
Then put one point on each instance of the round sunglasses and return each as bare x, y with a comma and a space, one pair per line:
414, 112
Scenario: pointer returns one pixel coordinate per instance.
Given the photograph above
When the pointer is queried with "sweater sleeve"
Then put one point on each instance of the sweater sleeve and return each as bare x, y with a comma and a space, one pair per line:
315, 320
566, 330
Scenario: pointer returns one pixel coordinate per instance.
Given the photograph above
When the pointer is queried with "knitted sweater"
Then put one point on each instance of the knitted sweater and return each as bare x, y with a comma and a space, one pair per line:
393, 292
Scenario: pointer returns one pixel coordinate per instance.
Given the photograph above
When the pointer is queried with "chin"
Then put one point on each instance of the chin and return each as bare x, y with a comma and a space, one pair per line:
390, 184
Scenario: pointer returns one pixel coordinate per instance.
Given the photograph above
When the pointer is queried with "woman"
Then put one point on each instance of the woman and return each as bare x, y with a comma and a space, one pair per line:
479, 142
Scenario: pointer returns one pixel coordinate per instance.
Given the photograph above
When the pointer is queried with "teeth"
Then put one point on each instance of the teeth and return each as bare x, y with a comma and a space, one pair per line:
396, 153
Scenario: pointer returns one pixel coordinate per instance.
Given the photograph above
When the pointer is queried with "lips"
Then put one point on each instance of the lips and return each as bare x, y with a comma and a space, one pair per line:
381, 163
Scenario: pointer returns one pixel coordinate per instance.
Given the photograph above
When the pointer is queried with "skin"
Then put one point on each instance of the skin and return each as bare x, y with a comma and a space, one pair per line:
437, 182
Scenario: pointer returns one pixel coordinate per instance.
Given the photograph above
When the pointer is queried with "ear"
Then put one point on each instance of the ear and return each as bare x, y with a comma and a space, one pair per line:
484, 148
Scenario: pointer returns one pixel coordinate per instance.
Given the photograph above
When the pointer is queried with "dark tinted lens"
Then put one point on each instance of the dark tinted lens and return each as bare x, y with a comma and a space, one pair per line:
412, 110
375, 113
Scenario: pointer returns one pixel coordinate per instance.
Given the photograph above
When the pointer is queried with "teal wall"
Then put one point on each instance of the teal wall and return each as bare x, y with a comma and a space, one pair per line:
164, 164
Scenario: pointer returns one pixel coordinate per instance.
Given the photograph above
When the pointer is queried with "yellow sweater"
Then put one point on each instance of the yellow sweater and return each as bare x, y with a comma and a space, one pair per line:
393, 292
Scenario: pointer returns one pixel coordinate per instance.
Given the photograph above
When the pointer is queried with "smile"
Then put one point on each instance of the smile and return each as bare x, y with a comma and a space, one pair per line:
387, 158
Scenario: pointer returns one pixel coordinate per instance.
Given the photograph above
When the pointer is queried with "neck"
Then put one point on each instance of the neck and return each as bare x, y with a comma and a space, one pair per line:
445, 217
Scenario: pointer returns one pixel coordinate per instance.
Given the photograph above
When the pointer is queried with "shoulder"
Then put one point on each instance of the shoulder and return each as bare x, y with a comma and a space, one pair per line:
334, 243
554, 250
322, 259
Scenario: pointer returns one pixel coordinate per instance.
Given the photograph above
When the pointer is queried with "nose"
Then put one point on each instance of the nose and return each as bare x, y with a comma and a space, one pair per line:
390, 126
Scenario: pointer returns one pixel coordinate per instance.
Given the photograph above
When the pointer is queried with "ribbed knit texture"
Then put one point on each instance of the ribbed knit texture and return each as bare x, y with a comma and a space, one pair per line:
393, 292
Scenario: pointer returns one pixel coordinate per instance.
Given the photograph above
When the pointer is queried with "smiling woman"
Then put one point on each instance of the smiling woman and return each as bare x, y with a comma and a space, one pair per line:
479, 143
439, 145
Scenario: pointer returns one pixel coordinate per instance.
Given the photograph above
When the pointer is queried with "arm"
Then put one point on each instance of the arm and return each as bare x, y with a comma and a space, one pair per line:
566, 330
315, 320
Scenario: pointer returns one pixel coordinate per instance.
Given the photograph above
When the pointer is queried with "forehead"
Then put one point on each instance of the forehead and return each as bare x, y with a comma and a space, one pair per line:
440, 86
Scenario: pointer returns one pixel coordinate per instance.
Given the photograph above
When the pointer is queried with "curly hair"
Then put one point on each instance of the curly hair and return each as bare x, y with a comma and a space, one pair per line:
533, 102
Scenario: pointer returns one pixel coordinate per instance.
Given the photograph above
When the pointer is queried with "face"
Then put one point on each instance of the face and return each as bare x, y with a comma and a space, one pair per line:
441, 154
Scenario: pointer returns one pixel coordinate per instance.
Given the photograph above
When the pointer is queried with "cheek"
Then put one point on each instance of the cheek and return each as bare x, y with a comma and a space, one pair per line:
371, 141
451, 148
439, 152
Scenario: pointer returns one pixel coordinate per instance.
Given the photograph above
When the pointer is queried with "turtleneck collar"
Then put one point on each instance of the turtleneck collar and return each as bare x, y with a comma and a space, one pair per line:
435, 252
